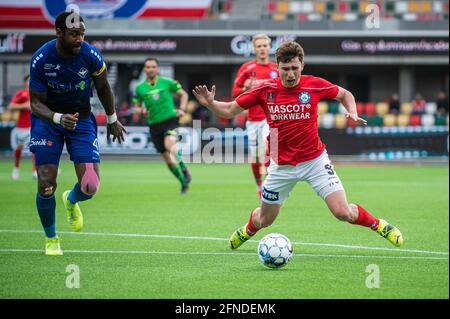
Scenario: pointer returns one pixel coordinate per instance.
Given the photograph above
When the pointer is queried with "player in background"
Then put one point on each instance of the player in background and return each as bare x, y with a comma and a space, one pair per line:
61, 74
156, 92
296, 151
21, 103
251, 74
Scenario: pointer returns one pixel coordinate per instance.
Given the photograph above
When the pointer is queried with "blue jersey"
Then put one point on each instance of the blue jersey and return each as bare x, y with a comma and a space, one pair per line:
67, 81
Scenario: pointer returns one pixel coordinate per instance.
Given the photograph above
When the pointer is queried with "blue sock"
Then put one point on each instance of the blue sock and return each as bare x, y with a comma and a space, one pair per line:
46, 209
76, 195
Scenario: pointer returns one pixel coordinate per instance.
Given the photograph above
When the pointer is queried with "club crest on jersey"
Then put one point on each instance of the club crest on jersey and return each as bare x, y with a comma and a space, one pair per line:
270, 97
273, 74
95, 9
83, 72
304, 97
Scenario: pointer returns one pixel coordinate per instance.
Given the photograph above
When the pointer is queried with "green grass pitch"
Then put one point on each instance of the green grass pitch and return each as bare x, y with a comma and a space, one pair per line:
142, 239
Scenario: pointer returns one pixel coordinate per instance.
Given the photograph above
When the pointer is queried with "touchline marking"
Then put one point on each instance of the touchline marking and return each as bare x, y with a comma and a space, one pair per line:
134, 252
226, 239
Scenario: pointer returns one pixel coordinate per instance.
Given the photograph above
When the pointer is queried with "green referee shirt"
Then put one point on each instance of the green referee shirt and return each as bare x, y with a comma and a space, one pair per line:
157, 98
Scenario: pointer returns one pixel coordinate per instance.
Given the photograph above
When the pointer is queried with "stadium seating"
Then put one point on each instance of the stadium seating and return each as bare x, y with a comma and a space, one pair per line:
375, 120
370, 109
427, 120
382, 108
333, 107
415, 120
351, 10
441, 120
240, 119
403, 120
101, 118
340, 121
360, 108
322, 107
390, 120
431, 108
406, 108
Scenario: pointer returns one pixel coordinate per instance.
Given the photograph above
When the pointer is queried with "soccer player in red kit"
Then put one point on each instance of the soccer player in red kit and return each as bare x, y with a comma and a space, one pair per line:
21, 103
251, 74
296, 151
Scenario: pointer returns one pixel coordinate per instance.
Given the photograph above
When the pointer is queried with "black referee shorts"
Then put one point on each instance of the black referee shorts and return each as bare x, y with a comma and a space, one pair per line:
159, 131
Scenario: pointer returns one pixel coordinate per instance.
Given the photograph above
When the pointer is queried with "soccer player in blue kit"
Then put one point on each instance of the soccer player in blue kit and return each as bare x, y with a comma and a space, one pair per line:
61, 74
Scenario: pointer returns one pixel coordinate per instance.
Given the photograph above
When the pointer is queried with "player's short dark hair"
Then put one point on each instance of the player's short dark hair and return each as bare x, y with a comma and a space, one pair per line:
152, 59
26, 77
288, 51
61, 19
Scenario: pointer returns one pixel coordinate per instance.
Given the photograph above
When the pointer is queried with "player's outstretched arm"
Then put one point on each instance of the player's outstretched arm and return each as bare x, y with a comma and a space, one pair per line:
40, 109
206, 98
106, 96
19, 106
348, 101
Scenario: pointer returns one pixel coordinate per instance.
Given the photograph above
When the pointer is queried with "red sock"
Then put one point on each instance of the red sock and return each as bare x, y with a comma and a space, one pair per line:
257, 173
17, 155
366, 219
251, 229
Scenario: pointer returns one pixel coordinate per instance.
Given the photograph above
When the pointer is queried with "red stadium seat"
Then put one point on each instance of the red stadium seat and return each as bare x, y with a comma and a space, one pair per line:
272, 6
222, 121
350, 123
101, 118
239, 120
360, 108
371, 109
415, 120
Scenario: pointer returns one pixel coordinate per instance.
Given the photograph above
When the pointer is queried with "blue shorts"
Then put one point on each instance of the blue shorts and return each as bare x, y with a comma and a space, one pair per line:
47, 141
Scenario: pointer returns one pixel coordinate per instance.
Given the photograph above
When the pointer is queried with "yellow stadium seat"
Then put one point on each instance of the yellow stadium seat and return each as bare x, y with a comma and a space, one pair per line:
413, 6
382, 108
427, 6
362, 6
337, 16
389, 120
283, 6
403, 120
185, 119
405, 108
340, 121
190, 107
15, 116
6, 116
278, 16
322, 107
320, 7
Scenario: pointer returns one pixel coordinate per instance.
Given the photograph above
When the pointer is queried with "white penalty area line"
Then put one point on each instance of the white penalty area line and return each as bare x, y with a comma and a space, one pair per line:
226, 239
143, 252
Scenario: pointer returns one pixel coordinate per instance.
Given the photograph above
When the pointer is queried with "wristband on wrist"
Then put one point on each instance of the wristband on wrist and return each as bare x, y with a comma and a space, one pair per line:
112, 118
57, 118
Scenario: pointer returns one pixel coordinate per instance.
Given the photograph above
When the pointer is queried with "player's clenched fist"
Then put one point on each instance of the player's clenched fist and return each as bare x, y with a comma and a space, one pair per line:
69, 121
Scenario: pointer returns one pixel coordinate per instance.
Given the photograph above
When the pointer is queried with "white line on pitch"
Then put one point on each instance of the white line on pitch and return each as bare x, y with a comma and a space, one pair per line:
130, 252
226, 239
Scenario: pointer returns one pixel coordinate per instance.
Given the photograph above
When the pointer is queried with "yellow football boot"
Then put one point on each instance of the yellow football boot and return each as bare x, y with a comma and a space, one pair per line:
239, 237
390, 232
74, 215
52, 246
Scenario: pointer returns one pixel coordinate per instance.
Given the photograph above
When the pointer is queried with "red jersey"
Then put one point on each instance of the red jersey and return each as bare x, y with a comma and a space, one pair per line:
292, 116
260, 73
22, 96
